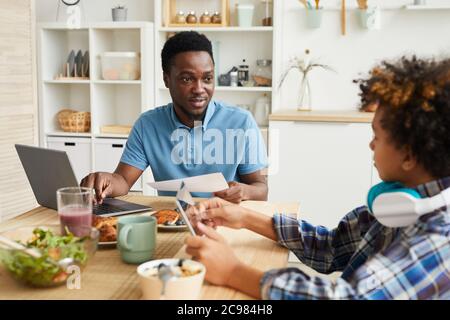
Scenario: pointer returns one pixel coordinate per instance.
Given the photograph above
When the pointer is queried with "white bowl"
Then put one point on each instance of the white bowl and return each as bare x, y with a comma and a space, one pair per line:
177, 288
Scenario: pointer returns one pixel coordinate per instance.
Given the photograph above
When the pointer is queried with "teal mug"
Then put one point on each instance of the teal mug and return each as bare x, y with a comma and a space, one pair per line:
136, 238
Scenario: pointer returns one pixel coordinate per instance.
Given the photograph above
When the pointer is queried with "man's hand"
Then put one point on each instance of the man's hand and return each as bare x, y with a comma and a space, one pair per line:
101, 182
217, 212
235, 193
214, 253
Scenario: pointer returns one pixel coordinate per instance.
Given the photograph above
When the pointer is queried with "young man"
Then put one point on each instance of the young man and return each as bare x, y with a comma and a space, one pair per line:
411, 146
193, 135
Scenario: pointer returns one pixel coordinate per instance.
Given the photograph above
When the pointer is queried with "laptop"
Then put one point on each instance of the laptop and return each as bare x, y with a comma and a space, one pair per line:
48, 170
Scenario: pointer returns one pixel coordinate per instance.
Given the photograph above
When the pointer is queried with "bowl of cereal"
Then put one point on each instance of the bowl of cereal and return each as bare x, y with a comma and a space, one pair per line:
171, 279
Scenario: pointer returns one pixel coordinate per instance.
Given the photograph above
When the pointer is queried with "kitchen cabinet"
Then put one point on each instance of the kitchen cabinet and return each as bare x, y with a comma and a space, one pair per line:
78, 150
325, 165
107, 156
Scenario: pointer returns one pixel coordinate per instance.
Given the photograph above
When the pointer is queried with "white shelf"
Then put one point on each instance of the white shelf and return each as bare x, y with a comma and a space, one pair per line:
236, 89
96, 25
109, 102
349, 8
407, 7
117, 81
216, 29
426, 7
67, 81
68, 134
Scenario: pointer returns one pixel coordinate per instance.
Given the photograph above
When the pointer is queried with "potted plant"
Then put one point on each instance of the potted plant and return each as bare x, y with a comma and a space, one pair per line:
119, 13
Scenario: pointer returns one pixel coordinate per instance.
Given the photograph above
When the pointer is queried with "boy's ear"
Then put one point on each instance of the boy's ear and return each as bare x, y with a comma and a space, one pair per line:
409, 161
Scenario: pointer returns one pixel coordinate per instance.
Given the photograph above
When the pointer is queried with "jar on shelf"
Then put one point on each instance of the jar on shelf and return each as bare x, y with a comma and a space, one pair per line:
191, 17
216, 18
234, 78
180, 17
261, 110
205, 18
263, 74
267, 12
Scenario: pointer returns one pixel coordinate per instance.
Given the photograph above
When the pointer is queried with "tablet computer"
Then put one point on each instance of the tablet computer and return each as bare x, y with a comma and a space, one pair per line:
183, 201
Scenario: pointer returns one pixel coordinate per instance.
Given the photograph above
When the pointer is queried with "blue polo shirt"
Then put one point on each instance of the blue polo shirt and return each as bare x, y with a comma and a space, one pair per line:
228, 141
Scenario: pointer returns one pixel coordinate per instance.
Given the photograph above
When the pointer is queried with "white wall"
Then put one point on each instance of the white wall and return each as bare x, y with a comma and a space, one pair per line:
424, 32
96, 10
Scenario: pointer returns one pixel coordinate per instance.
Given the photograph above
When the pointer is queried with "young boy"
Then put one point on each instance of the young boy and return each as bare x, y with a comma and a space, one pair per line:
411, 146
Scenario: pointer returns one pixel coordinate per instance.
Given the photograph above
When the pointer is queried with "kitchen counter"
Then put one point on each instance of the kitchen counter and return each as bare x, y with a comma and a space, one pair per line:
322, 116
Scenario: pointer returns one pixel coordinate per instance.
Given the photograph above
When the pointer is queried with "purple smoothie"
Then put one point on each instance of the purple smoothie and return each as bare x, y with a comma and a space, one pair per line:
77, 219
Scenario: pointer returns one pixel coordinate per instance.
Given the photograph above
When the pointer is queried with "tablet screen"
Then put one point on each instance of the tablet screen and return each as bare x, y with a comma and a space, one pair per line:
183, 200
182, 207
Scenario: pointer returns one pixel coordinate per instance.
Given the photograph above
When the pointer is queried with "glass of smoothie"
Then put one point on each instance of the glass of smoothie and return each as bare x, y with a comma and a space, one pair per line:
75, 209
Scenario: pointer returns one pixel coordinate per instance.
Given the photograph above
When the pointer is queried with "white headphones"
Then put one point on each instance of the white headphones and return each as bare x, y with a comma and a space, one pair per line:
395, 206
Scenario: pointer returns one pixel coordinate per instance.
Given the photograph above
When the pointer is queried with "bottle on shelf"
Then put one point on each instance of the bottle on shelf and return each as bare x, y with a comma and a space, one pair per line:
180, 17
216, 18
234, 78
261, 110
205, 18
243, 74
191, 17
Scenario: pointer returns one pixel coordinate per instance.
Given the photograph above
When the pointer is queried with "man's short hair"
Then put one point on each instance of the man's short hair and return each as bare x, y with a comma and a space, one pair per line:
183, 42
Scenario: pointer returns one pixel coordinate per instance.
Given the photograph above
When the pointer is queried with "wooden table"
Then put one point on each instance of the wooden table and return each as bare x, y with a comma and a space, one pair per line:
107, 277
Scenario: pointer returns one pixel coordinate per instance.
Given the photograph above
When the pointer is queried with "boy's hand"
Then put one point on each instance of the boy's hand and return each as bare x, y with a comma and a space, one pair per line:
214, 253
217, 212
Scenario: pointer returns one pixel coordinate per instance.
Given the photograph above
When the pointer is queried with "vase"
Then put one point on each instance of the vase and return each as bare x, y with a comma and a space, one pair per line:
304, 102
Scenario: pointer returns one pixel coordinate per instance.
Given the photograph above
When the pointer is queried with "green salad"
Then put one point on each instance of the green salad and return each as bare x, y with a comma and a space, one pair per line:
45, 271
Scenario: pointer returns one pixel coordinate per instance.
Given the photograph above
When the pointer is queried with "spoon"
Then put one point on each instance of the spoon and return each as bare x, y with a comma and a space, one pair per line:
63, 263
164, 274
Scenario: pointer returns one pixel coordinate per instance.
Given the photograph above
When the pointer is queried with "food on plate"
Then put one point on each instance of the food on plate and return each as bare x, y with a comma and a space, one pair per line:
45, 270
169, 217
107, 227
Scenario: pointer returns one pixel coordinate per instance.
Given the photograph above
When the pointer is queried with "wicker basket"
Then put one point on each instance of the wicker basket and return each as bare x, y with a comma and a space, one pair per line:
74, 121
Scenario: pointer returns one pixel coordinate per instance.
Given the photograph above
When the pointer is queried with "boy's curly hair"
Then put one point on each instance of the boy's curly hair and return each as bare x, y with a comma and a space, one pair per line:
414, 95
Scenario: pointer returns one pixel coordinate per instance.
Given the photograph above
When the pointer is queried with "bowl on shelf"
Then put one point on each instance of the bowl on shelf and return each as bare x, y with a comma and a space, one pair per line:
59, 254
120, 66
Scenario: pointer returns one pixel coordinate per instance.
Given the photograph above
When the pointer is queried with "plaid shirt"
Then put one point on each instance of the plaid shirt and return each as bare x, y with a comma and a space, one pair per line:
377, 262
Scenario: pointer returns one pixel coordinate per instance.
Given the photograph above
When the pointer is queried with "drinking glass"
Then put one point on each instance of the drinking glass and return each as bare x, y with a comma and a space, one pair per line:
75, 209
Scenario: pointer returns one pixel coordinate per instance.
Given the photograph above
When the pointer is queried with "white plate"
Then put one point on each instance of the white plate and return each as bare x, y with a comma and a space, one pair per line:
172, 228
107, 244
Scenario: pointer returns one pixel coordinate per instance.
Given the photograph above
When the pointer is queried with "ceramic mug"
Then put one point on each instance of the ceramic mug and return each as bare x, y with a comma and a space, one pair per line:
136, 238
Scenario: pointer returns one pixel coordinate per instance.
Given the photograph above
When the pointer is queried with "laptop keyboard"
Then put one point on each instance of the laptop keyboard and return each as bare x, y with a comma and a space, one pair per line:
105, 208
